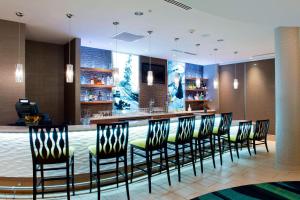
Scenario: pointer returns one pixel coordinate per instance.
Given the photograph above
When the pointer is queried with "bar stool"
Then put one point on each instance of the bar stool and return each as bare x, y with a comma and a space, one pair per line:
51, 152
223, 132
260, 134
241, 137
181, 140
203, 136
154, 144
112, 141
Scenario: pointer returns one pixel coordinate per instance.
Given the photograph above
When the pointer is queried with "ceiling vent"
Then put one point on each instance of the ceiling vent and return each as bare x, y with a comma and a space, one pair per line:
178, 4
184, 52
127, 37
264, 55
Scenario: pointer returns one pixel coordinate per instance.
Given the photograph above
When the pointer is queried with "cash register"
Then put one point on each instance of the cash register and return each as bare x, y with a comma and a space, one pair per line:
25, 107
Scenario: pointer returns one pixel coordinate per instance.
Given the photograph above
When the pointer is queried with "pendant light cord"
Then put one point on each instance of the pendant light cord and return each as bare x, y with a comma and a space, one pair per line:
19, 53
69, 40
149, 50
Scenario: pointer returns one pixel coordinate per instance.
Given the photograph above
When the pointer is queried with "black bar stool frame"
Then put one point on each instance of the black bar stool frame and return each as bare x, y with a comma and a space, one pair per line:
155, 144
50, 146
112, 142
183, 140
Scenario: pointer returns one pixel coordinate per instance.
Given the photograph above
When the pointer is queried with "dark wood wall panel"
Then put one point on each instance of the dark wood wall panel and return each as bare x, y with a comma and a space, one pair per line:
261, 91
158, 91
10, 90
45, 77
232, 100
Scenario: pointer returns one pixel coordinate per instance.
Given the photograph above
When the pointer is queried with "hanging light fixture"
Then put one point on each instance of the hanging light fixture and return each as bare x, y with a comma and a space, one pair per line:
150, 77
216, 81
235, 81
69, 67
115, 67
19, 73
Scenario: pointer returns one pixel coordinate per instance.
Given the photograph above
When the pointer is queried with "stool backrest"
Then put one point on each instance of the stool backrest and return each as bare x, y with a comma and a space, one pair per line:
185, 129
112, 139
206, 125
261, 129
244, 131
49, 144
158, 133
225, 123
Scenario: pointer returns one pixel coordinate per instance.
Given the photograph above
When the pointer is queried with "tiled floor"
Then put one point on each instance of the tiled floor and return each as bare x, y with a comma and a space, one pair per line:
246, 170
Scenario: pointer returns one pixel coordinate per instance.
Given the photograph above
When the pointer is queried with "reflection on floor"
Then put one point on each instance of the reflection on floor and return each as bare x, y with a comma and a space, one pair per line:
246, 170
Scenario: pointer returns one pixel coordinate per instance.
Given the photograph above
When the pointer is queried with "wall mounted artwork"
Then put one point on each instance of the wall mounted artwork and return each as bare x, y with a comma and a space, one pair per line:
126, 91
176, 86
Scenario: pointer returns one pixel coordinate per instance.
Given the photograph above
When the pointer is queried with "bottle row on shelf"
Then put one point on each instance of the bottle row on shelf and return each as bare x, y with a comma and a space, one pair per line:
97, 80
95, 95
198, 96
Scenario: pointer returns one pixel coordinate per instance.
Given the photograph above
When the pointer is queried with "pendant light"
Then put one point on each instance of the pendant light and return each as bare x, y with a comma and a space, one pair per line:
19, 73
150, 77
69, 67
216, 82
198, 80
115, 67
235, 81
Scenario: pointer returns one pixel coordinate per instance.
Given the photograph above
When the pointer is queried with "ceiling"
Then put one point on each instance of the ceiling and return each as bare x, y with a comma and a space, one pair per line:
245, 26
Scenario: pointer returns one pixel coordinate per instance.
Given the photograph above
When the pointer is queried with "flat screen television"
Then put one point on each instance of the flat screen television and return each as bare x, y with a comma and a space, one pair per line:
158, 73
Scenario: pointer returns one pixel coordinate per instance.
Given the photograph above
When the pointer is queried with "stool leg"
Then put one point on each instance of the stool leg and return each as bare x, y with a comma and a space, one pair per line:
68, 179
148, 170
193, 159
237, 149
212, 151
91, 172
160, 167
126, 176
73, 177
167, 164
177, 162
220, 149
229, 144
248, 146
200, 154
266, 144
43, 182
34, 181
98, 176
254, 146
131, 157
117, 171
183, 152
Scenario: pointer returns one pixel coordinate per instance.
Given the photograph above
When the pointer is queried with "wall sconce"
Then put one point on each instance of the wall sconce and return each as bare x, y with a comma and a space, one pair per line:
70, 73
19, 73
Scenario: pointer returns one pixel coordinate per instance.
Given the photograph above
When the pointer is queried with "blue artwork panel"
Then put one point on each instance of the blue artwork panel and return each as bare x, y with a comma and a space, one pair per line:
126, 92
176, 86
95, 58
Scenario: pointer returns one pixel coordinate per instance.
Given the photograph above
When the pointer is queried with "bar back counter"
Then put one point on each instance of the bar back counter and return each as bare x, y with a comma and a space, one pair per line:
16, 162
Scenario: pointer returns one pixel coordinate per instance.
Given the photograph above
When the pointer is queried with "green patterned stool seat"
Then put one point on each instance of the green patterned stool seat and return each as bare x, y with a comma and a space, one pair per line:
251, 136
215, 130
141, 143
233, 138
172, 138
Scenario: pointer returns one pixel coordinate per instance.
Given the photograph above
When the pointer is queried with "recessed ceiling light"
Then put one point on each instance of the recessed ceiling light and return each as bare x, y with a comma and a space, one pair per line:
69, 15
192, 31
216, 49
20, 14
250, 58
176, 39
205, 35
138, 13
255, 64
236, 52
197, 45
220, 40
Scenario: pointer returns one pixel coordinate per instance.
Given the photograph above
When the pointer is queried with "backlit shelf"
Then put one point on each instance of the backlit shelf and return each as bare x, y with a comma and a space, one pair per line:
95, 102
96, 86
100, 70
